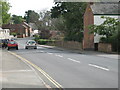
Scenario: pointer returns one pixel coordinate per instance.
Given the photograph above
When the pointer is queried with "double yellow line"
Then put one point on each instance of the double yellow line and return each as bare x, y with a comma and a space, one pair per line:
39, 69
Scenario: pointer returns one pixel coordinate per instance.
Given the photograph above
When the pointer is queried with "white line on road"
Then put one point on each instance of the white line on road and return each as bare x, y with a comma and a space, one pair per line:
106, 69
41, 51
58, 55
49, 53
18, 71
74, 60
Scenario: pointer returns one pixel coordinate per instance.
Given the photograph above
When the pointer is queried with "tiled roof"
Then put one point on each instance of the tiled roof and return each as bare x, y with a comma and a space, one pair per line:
14, 26
105, 8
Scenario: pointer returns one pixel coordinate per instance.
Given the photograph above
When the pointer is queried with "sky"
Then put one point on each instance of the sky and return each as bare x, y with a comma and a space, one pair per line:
20, 6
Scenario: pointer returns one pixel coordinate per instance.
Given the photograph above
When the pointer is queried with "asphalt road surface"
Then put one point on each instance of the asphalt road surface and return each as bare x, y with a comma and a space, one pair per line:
73, 70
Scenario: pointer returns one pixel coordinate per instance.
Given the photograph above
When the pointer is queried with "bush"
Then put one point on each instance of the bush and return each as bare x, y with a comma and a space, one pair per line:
37, 37
45, 41
114, 40
14, 34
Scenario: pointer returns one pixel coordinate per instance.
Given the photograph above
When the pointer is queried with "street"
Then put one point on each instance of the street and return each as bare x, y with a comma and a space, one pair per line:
72, 70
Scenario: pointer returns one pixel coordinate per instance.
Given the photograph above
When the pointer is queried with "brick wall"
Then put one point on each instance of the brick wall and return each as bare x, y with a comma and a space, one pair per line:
88, 41
69, 45
104, 47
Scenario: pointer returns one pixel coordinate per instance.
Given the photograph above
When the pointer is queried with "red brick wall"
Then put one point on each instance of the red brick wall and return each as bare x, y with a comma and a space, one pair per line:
88, 41
68, 45
104, 47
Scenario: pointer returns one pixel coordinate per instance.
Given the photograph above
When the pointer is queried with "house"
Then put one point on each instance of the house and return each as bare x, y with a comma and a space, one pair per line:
4, 33
92, 16
35, 29
22, 30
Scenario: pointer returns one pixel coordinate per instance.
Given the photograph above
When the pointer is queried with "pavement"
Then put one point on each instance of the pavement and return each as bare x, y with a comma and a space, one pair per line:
94, 53
17, 74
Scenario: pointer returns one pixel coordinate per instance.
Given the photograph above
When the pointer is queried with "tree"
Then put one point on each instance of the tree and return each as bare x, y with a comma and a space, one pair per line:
17, 19
72, 13
4, 6
109, 28
31, 16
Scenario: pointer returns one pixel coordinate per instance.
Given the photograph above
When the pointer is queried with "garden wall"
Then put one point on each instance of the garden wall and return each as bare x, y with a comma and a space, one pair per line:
105, 47
69, 45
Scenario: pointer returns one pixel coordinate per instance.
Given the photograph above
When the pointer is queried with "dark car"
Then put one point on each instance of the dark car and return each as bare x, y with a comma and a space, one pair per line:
3, 43
12, 44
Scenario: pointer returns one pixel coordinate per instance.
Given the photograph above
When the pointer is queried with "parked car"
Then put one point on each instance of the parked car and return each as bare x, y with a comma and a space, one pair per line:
12, 44
3, 43
31, 44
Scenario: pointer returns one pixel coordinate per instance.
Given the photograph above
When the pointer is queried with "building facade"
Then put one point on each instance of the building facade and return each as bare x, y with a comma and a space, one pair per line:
92, 16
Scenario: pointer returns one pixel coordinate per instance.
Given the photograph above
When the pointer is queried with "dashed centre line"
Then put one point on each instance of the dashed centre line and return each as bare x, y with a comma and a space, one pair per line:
106, 69
58, 55
93, 65
73, 60
41, 51
49, 53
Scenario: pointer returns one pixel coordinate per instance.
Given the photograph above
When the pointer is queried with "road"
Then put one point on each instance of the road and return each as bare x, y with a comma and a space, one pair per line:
73, 70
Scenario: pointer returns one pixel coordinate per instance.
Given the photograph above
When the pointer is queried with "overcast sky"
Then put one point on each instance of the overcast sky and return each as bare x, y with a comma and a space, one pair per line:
20, 6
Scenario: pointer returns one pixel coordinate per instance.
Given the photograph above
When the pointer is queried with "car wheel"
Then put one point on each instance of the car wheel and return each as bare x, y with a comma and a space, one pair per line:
35, 48
8, 48
16, 48
26, 48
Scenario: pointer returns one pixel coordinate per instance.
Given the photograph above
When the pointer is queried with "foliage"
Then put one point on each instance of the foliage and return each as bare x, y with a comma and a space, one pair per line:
109, 28
14, 34
5, 8
72, 14
36, 37
45, 41
17, 19
45, 34
31, 16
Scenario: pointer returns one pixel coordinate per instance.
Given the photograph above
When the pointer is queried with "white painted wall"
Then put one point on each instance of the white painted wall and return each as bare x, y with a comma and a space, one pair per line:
97, 21
4, 33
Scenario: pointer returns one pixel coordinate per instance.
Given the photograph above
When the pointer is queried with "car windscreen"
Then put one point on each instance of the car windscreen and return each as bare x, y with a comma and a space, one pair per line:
12, 42
31, 42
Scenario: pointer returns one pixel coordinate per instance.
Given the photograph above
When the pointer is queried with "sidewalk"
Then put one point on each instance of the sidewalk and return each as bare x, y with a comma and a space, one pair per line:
17, 74
96, 53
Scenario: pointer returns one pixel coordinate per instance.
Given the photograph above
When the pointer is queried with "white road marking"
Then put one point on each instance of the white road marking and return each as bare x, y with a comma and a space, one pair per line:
49, 53
106, 69
41, 51
18, 71
74, 60
58, 55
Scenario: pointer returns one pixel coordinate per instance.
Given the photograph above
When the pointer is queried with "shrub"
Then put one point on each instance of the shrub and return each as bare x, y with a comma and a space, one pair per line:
45, 41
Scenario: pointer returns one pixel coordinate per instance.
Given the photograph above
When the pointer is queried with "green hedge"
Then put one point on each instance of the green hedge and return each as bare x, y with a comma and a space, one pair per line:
44, 41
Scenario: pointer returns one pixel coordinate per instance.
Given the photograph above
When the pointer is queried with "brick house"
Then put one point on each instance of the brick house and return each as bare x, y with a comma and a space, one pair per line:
22, 30
92, 15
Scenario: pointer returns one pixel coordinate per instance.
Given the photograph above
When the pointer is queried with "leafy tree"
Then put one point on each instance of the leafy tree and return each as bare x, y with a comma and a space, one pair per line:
31, 16
14, 34
72, 13
17, 19
109, 28
4, 6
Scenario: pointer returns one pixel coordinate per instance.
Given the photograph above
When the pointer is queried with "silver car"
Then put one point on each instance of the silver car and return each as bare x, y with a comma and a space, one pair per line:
31, 44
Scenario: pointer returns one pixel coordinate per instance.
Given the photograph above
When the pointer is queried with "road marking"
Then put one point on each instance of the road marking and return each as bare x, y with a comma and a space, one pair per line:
49, 53
106, 69
58, 55
41, 51
73, 60
39, 69
18, 71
